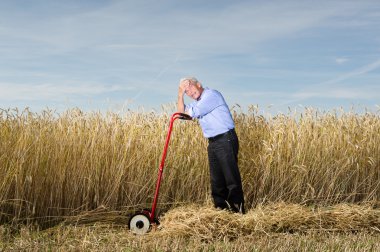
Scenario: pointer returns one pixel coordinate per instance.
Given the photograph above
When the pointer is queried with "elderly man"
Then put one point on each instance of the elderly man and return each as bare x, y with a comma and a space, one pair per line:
218, 126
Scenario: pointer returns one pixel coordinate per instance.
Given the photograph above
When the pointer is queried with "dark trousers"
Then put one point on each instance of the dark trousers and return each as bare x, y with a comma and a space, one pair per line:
226, 187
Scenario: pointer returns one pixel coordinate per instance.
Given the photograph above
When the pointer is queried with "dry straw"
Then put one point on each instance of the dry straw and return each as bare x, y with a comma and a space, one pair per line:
209, 224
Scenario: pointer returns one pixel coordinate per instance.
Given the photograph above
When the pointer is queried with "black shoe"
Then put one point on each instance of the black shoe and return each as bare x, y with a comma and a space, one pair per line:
236, 207
221, 206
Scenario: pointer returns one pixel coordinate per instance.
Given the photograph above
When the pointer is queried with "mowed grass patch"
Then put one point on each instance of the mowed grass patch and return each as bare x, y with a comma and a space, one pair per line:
274, 227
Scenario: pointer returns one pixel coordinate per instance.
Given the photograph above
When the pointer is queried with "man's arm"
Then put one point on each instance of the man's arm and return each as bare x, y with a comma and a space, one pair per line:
181, 93
180, 102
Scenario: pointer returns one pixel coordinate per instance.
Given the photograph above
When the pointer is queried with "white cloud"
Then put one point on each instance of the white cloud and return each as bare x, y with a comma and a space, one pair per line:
359, 71
341, 61
33, 92
123, 25
340, 93
143, 41
333, 89
354, 93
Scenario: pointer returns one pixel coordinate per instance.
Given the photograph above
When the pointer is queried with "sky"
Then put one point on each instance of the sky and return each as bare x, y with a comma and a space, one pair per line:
116, 55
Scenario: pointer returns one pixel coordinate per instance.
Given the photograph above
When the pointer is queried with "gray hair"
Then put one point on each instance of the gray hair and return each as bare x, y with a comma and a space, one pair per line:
192, 80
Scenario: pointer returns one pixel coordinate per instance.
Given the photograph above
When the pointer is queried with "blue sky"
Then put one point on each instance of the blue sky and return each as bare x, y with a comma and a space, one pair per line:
113, 55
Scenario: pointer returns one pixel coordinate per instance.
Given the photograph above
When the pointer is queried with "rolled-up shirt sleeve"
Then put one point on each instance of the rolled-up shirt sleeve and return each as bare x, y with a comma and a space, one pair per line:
189, 109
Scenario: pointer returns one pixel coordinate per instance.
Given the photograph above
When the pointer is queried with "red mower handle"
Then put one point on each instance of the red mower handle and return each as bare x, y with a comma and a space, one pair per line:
174, 117
141, 222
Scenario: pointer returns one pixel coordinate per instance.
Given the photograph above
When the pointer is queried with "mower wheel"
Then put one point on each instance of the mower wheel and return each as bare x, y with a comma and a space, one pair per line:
139, 223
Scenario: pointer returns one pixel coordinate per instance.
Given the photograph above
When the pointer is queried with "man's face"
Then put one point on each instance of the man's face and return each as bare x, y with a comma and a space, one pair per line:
194, 90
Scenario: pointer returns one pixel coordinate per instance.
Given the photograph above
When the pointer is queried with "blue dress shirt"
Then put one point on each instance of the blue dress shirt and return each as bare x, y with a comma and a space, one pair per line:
212, 112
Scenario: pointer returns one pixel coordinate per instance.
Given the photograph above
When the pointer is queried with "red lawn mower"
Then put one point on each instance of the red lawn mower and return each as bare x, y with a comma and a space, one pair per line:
141, 222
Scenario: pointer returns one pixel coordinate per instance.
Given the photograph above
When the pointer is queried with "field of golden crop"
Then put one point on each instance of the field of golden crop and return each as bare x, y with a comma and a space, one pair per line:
60, 172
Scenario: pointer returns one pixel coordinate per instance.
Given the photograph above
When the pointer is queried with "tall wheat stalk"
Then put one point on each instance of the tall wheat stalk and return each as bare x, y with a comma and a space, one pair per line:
54, 165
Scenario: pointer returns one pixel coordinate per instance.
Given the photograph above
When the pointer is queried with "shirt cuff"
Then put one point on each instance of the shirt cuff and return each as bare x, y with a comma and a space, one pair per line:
189, 110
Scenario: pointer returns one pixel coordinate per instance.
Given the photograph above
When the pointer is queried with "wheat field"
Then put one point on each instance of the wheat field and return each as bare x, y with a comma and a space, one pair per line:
56, 166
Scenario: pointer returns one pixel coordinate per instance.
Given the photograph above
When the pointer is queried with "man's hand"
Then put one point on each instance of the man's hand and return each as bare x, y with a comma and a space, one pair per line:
183, 86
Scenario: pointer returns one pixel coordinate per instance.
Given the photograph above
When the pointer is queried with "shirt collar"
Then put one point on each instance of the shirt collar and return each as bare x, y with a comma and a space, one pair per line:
200, 97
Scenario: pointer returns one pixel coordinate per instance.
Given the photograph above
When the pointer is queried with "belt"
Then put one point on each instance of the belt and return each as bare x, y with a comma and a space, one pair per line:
214, 138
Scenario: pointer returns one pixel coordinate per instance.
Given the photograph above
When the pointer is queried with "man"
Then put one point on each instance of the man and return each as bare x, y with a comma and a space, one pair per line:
218, 126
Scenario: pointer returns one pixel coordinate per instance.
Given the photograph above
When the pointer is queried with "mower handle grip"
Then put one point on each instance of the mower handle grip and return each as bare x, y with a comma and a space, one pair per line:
184, 116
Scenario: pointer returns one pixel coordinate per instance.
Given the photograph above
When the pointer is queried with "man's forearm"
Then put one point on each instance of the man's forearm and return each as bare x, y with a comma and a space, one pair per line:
180, 103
